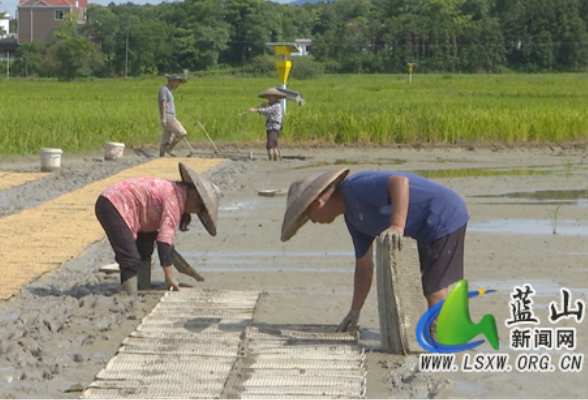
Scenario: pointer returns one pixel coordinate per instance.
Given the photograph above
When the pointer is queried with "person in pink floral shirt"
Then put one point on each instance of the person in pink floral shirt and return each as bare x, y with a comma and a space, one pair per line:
137, 213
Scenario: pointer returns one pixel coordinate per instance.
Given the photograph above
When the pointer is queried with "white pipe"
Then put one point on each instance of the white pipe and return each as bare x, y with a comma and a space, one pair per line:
283, 101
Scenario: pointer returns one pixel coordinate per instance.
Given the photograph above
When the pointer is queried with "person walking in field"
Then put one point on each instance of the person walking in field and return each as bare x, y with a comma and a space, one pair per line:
387, 205
273, 113
138, 212
173, 131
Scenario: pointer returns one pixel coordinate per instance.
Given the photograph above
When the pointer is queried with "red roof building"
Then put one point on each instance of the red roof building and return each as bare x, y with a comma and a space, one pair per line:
37, 19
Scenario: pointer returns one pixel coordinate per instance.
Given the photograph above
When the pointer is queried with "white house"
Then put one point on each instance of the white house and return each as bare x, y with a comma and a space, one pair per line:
4, 24
303, 45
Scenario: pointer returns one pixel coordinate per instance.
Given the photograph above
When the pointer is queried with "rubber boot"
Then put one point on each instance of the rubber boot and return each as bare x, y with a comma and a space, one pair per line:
130, 286
145, 275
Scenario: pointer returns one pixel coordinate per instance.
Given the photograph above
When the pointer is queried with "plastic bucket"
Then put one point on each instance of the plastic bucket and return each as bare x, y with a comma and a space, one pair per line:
50, 159
113, 151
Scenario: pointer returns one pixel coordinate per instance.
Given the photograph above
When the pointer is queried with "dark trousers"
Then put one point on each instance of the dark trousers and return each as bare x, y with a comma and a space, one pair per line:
442, 261
128, 251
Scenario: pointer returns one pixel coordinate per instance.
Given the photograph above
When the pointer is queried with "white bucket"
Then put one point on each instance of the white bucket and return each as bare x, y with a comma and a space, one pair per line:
113, 151
50, 159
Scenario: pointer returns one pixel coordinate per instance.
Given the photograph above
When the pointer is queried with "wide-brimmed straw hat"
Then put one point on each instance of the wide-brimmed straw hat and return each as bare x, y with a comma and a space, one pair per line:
272, 92
175, 77
209, 195
301, 195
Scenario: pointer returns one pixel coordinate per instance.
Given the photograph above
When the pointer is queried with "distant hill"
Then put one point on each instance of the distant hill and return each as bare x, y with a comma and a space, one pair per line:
302, 2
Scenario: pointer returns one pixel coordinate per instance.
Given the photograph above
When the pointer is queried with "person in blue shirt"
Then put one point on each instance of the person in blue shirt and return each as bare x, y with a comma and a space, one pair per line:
385, 205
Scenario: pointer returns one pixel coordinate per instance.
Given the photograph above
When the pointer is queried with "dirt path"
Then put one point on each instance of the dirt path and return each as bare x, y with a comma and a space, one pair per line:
58, 333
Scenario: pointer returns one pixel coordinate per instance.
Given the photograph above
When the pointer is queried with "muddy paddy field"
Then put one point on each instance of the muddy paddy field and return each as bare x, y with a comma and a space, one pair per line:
529, 225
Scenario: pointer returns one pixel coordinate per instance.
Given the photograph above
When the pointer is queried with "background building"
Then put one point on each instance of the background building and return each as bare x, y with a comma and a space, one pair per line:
37, 19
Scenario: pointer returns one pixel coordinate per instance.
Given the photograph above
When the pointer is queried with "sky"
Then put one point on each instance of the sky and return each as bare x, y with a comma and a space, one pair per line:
10, 5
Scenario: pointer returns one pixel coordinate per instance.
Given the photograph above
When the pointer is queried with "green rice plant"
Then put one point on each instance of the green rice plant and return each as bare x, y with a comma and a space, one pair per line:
368, 109
553, 215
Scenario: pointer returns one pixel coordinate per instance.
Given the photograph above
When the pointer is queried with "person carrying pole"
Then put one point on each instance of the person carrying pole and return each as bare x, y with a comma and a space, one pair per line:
273, 113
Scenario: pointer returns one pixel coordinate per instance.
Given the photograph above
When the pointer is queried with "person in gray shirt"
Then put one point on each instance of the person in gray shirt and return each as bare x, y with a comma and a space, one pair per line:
173, 131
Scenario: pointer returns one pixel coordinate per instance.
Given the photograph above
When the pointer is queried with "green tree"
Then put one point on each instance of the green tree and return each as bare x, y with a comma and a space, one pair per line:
544, 34
253, 22
482, 47
102, 28
29, 57
73, 57
201, 34
67, 28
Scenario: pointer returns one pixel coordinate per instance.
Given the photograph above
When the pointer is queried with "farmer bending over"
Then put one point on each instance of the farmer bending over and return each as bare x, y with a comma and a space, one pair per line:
137, 212
388, 205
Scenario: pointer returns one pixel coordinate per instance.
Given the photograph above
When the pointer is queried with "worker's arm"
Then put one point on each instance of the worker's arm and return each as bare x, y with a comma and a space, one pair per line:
162, 113
253, 109
170, 282
398, 193
362, 282
164, 251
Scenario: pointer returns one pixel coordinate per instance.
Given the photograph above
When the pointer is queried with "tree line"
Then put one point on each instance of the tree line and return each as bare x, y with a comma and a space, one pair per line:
349, 36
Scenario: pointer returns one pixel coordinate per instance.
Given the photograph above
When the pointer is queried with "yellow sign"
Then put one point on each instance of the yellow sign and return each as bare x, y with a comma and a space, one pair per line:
283, 50
283, 68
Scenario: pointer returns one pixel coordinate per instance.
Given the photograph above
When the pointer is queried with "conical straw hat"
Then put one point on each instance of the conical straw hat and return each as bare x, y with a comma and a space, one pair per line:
272, 92
209, 195
301, 195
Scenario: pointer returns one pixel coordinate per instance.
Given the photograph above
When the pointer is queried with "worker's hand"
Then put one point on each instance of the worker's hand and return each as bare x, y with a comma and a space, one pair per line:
349, 323
251, 109
392, 237
172, 284
164, 122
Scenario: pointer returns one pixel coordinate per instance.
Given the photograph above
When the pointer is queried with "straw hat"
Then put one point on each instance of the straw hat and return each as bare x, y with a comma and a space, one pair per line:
301, 195
209, 194
175, 77
272, 92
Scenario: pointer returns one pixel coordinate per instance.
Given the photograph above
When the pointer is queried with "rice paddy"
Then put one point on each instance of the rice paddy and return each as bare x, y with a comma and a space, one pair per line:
365, 109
